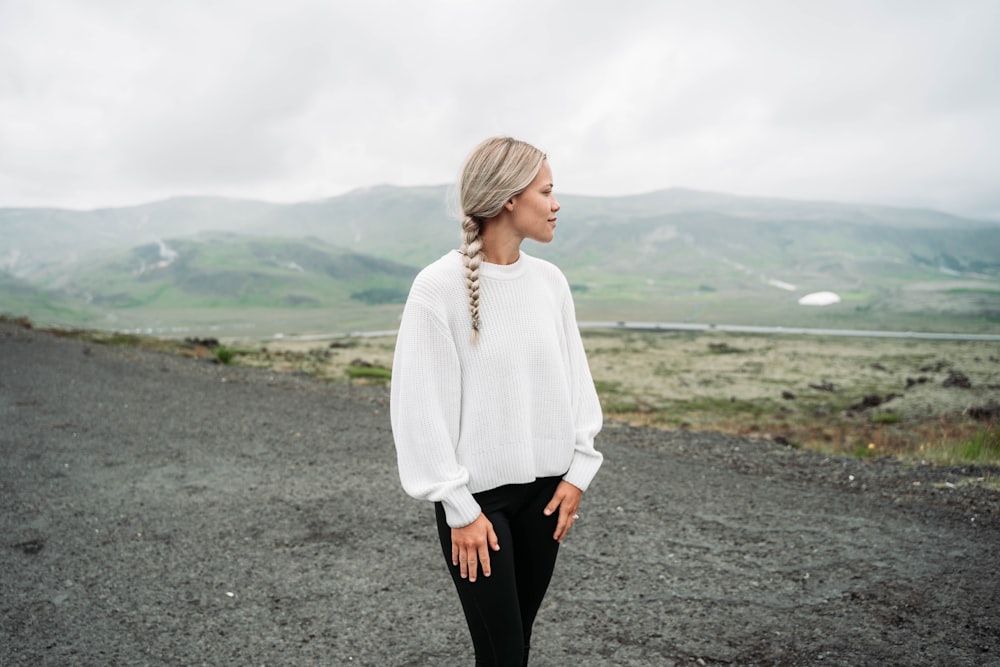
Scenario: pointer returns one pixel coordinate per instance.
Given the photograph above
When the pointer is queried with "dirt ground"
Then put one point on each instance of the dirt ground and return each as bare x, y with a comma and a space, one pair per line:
160, 510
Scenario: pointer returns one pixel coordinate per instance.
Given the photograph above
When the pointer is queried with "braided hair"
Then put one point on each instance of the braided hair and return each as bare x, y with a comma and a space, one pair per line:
497, 170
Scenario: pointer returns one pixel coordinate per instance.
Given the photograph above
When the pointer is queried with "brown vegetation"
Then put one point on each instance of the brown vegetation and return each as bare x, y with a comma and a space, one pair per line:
930, 400
923, 399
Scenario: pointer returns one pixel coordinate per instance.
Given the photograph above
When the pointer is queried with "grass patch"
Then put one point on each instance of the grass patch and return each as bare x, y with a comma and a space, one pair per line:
116, 338
620, 408
724, 407
122, 339
723, 348
370, 373
607, 387
863, 451
885, 418
225, 355
982, 447
979, 445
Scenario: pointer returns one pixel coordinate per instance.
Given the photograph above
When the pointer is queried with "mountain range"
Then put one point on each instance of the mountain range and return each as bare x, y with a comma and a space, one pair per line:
346, 262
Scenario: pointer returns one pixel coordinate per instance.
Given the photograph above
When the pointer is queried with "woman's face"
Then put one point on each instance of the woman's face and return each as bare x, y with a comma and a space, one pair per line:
533, 214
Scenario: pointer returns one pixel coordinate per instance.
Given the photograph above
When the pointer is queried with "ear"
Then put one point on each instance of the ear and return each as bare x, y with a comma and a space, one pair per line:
510, 204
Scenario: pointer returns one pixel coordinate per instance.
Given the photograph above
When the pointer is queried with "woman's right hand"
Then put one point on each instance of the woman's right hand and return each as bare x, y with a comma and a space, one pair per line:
470, 547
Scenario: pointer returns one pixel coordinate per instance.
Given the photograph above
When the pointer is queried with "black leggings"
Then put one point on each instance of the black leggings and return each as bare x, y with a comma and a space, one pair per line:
500, 609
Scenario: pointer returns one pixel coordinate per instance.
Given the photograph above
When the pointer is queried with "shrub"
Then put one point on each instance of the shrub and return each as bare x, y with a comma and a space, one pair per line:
983, 446
376, 373
863, 451
224, 355
885, 418
127, 340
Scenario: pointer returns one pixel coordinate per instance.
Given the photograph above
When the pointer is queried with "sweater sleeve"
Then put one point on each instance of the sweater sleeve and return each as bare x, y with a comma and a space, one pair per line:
425, 411
588, 418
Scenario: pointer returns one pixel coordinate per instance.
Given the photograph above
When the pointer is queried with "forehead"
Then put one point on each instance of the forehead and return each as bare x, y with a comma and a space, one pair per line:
544, 176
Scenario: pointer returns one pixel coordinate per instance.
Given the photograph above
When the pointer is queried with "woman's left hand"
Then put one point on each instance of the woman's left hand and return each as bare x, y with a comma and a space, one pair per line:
567, 500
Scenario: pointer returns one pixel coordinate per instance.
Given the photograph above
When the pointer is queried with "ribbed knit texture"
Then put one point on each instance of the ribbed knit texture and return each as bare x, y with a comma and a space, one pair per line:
518, 405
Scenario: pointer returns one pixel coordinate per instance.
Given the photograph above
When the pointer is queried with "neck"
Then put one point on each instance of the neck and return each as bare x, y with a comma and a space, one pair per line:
499, 245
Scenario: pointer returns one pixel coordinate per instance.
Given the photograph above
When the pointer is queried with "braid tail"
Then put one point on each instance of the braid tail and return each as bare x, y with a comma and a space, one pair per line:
472, 258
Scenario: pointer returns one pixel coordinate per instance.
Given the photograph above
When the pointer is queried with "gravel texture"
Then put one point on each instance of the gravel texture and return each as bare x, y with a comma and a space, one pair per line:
159, 510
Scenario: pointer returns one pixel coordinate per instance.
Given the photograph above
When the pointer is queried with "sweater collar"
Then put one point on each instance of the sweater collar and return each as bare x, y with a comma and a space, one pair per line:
503, 271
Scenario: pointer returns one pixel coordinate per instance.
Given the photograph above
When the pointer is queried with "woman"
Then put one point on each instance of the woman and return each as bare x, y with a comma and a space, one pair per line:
493, 407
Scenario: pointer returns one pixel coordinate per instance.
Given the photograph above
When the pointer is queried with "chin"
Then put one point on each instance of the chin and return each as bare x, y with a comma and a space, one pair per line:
546, 236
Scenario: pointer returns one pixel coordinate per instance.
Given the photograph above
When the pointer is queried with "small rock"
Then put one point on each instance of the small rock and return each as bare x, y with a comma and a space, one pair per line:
957, 379
869, 401
31, 547
988, 412
935, 368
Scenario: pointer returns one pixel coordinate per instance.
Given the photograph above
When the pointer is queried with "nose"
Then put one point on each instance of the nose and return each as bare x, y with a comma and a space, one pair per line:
555, 205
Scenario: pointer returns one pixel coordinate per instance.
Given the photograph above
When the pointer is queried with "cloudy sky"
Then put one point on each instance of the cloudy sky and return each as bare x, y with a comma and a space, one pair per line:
117, 102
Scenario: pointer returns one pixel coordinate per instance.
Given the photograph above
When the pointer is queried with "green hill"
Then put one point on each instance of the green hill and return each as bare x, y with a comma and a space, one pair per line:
234, 270
234, 281
670, 255
21, 298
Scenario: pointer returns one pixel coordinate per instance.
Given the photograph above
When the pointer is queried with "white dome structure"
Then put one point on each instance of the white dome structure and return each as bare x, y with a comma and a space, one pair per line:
819, 299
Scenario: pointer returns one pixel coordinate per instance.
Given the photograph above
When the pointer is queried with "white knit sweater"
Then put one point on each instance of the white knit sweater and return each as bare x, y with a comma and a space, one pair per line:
518, 405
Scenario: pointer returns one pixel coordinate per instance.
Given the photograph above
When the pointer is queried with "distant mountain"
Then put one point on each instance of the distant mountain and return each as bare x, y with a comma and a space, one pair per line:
224, 269
410, 225
665, 255
36, 240
681, 200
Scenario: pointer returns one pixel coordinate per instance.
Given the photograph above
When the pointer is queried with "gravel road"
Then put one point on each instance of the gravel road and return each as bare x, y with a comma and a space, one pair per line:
159, 510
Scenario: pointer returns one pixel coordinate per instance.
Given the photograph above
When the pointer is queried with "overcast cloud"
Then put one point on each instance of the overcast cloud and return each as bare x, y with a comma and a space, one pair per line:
115, 102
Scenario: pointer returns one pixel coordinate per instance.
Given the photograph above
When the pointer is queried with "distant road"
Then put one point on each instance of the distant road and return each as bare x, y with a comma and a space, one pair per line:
740, 328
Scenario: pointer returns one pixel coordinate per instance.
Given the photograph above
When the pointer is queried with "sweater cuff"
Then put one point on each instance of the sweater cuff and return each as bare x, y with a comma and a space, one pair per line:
582, 469
460, 508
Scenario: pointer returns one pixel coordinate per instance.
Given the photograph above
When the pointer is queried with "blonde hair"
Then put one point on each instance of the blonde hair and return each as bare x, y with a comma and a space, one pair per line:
498, 169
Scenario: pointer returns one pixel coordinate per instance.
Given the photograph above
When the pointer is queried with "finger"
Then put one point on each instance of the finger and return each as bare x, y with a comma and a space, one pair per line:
484, 560
467, 562
454, 553
562, 526
473, 563
553, 504
494, 541
567, 517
